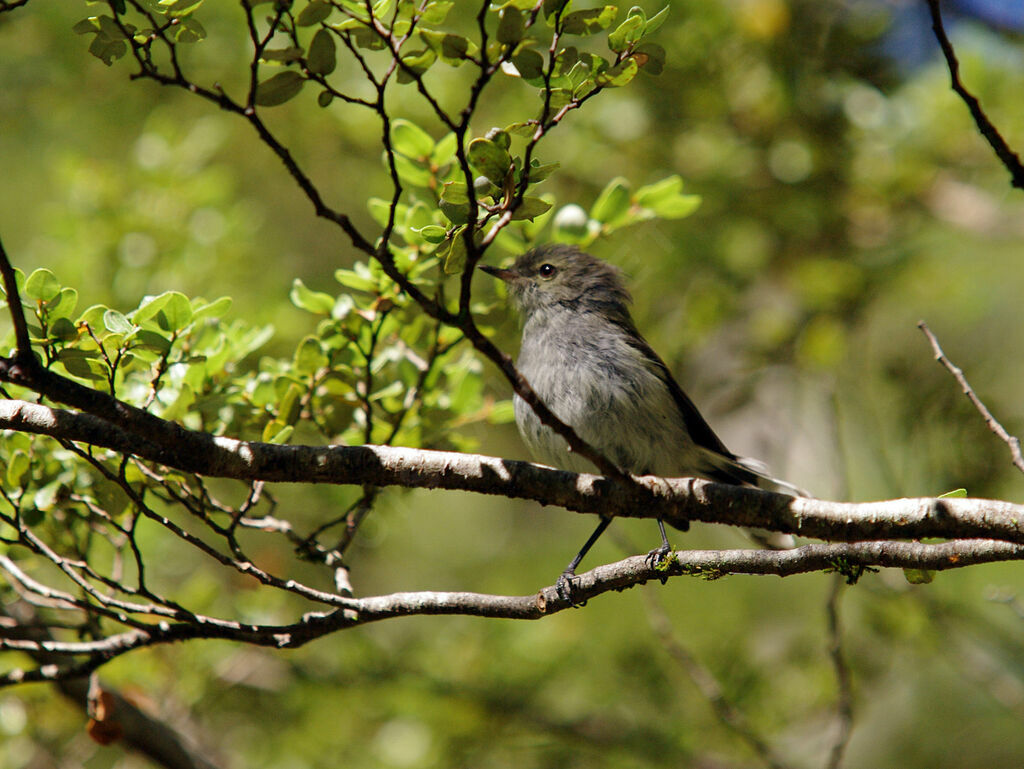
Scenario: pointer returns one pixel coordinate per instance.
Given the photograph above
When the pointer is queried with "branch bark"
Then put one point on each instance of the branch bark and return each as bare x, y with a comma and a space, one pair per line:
676, 500
848, 559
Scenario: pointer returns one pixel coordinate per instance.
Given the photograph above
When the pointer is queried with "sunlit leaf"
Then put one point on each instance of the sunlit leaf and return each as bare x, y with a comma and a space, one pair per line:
311, 301
42, 285
612, 205
590, 21
410, 140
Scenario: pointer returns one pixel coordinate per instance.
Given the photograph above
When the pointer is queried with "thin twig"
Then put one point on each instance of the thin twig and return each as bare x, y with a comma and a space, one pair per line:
637, 570
706, 683
1010, 440
1007, 156
844, 682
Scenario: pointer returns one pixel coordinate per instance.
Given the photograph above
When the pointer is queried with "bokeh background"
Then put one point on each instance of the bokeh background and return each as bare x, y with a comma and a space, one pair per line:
846, 196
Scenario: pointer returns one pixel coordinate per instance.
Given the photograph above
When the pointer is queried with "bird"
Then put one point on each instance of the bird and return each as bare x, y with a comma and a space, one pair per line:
583, 356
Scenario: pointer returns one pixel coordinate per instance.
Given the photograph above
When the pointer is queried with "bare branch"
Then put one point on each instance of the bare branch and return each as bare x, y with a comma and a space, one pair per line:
139, 730
677, 501
637, 570
1012, 441
1008, 157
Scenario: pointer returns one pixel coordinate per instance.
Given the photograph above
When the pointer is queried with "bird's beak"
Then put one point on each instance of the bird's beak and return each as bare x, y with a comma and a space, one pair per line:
506, 275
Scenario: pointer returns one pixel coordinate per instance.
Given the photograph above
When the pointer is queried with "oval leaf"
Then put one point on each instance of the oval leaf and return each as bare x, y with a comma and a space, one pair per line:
279, 89
322, 57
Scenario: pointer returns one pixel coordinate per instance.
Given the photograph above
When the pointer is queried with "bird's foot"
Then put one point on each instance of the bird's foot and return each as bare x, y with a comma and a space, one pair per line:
658, 559
566, 585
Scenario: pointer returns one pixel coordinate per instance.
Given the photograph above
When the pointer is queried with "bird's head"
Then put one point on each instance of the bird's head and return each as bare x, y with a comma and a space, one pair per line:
561, 277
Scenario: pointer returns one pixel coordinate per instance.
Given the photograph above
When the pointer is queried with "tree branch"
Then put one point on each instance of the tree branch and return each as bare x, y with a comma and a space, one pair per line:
139, 730
1008, 157
637, 570
1010, 440
675, 500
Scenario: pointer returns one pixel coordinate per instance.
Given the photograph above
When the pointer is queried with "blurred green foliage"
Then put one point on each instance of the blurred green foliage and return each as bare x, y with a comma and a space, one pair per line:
842, 199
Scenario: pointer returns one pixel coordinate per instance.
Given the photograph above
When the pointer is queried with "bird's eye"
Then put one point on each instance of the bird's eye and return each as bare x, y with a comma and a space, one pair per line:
547, 270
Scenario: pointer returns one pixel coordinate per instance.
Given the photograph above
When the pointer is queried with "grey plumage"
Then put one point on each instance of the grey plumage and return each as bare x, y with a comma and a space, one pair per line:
584, 357
586, 360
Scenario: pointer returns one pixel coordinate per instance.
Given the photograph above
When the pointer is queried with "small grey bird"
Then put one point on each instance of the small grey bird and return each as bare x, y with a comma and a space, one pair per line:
584, 357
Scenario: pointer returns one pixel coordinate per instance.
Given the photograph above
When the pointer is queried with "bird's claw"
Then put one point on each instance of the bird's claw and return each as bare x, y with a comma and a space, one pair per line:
657, 557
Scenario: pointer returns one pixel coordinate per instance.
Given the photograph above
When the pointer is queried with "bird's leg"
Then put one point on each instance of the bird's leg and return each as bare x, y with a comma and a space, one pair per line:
657, 555
564, 583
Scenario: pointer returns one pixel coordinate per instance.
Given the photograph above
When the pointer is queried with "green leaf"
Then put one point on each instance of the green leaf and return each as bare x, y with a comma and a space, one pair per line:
918, 576
290, 407
316, 302
410, 140
276, 431
529, 63
590, 21
149, 340
17, 465
63, 305
314, 13
612, 205
619, 75
180, 8
665, 198
83, 364
117, 322
325, 98
279, 89
282, 54
415, 64
554, 7
541, 171
353, 280
171, 310
309, 356
650, 57
107, 50
432, 233
489, 159
531, 208
954, 494
436, 12
454, 255
367, 38
322, 58
42, 285
656, 21
454, 202
63, 329
452, 49
511, 26
455, 192
444, 150
93, 316
189, 30
218, 308
628, 32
